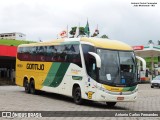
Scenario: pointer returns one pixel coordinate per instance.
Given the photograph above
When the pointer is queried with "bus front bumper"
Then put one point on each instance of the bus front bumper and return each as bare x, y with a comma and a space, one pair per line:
116, 97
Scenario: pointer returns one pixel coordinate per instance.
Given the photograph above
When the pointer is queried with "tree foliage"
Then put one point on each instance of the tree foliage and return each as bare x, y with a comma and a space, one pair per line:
104, 36
73, 31
150, 42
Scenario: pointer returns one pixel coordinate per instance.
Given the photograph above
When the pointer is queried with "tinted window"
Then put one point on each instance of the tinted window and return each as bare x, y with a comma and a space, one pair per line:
58, 53
117, 68
110, 65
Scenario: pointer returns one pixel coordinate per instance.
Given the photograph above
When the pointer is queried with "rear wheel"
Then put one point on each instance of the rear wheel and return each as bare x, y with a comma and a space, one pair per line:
77, 96
26, 86
32, 87
111, 104
152, 86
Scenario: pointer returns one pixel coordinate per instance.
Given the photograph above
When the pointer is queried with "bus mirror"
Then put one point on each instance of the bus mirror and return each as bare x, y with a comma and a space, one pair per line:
97, 57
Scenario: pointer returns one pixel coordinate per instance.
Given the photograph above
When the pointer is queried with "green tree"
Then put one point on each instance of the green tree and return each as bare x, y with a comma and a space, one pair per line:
73, 31
150, 42
104, 36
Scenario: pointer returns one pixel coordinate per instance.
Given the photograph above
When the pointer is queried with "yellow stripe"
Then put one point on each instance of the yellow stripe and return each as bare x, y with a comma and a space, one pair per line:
113, 89
108, 44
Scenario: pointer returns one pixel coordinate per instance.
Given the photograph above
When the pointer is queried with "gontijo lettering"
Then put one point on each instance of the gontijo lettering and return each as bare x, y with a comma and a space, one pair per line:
35, 66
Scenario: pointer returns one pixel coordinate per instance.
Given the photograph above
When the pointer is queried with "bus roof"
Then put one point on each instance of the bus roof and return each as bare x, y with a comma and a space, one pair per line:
97, 42
107, 43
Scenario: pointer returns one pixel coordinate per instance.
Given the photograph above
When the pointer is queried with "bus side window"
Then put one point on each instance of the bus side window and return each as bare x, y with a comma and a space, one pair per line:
58, 54
26, 54
73, 55
20, 53
76, 55
33, 54
65, 51
54, 54
62, 54
41, 53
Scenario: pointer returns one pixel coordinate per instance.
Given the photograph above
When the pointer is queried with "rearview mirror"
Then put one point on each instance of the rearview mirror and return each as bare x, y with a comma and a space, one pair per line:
97, 57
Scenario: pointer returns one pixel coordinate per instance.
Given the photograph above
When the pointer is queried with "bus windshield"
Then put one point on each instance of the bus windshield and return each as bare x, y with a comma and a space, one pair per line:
118, 68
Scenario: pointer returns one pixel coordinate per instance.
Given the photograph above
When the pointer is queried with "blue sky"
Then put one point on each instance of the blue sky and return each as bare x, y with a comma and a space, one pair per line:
44, 19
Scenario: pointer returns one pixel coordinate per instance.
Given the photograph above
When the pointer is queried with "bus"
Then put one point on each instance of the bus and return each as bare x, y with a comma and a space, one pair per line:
83, 68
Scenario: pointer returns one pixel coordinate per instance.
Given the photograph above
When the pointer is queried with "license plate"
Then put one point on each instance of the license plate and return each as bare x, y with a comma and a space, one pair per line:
120, 98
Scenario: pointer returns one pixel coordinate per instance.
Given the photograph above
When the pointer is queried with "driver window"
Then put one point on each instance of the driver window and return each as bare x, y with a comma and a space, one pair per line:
92, 68
90, 61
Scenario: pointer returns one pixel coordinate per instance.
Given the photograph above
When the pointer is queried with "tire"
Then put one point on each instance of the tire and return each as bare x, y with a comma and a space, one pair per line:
26, 86
110, 104
32, 87
152, 86
77, 96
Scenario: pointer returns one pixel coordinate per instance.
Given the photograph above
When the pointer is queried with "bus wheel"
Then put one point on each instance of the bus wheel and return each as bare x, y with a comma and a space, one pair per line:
77, 95
32, 87
110, 104
26, 86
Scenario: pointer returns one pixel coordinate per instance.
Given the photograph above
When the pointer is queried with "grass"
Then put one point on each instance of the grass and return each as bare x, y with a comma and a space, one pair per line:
14, 42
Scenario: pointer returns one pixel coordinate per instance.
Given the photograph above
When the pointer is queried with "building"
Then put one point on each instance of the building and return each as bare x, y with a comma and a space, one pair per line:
150, 53
8, 52
13, 36
7, 63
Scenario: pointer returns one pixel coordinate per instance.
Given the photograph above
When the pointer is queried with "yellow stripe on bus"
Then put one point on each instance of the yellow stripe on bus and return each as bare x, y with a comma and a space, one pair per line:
108, 44
113, 89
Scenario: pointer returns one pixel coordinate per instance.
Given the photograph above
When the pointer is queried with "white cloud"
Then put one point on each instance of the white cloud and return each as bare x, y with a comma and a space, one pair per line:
44, 19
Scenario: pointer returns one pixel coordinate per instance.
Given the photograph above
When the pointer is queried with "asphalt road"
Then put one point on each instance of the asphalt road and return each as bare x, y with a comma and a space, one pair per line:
14, 98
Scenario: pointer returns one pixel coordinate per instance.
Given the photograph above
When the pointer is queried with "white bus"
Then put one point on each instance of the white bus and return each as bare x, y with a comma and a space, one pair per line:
83, 68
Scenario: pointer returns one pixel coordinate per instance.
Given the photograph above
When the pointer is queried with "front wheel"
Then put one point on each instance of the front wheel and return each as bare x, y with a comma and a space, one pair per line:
77, 96
110, 104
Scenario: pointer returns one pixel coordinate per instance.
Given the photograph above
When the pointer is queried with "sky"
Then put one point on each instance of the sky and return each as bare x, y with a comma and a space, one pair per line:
118, 19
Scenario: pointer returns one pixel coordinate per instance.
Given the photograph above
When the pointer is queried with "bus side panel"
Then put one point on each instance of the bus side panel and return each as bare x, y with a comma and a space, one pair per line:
73, 75
55, 77
32, 70
19, 73
62, 81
